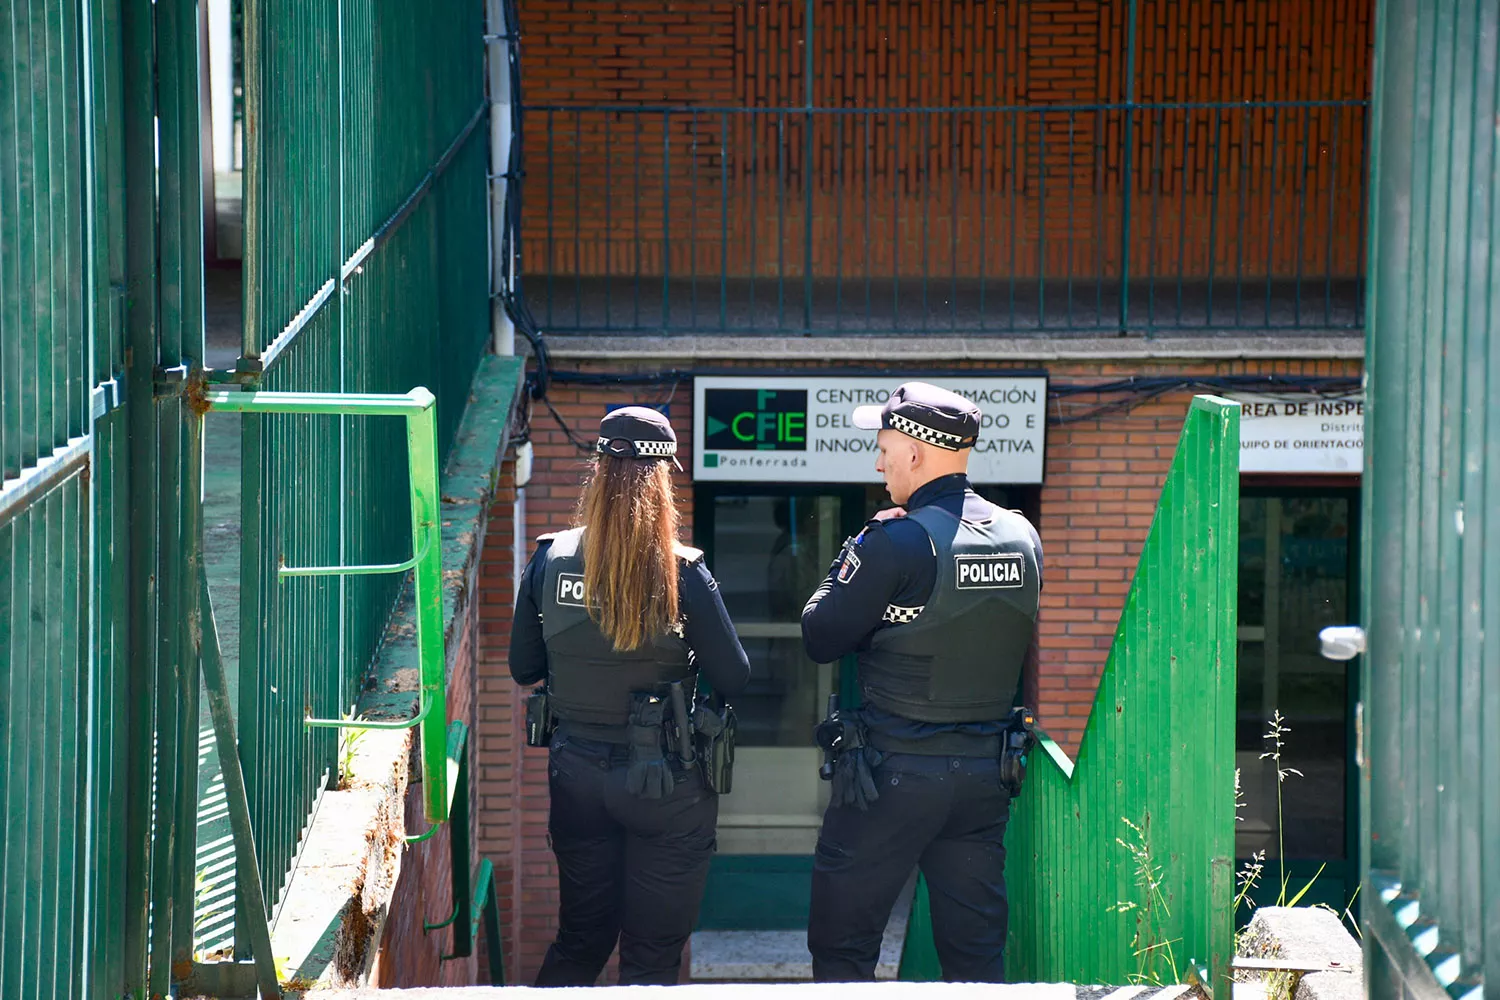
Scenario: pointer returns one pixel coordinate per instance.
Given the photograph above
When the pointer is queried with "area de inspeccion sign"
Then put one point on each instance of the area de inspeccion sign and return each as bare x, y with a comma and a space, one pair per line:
798, 429
1301, 434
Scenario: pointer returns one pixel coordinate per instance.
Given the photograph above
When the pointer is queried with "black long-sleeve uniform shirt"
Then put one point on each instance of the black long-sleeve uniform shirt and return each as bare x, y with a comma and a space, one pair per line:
897, 566
706, 627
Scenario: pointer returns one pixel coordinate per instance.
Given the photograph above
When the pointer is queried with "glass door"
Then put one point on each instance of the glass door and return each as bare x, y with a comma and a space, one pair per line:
769, 552
769, 548
1297, 575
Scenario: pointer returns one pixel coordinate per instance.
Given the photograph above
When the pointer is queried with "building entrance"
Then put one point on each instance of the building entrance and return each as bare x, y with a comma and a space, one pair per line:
1297, 575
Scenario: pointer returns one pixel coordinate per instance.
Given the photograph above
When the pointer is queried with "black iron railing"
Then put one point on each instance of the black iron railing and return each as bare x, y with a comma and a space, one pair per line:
1056, 220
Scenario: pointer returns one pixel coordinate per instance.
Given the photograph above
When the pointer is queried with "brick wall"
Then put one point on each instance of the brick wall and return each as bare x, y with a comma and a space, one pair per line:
1103, 477
410, 956
1021, 192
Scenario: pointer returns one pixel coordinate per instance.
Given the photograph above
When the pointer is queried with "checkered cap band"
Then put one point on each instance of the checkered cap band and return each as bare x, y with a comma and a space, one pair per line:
897, 615
937, 438
643, 449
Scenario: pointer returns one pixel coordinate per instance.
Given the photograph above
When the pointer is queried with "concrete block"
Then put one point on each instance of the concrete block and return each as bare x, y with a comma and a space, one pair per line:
1311, 935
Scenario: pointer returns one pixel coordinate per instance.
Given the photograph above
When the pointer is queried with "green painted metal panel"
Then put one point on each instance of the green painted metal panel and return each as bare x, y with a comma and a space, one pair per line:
44, 662
1153, 786
1431, 585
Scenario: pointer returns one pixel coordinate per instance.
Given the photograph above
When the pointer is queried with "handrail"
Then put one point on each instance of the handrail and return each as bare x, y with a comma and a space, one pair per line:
474, 897
370, 570
419, 408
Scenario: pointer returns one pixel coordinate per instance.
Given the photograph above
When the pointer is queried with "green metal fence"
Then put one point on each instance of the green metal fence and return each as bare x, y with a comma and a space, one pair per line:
371, 204
366, 271
1120, 865
1431, 727
62, 666
99, 127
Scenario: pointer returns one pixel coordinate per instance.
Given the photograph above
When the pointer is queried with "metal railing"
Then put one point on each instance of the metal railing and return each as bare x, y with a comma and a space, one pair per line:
51, 869
95, 318
366, 271
367, 214
1429, 733
1045, 220
1153, 788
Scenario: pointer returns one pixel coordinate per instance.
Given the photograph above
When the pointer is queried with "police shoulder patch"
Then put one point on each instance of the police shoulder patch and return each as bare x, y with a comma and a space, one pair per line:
570, 590
988, 572
849, 566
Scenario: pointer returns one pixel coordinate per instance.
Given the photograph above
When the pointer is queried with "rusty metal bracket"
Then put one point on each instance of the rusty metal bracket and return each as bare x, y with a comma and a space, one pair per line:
169, 381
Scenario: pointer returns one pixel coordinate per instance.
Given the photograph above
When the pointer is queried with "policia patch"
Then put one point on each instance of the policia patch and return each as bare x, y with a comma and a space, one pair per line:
849, 567
570, 590
990, 572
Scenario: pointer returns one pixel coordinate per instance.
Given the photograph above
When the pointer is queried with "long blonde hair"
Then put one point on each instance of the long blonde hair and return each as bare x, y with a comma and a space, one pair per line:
629, 515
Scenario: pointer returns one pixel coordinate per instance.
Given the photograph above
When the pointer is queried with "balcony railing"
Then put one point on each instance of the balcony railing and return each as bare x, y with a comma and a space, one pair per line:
1087, 220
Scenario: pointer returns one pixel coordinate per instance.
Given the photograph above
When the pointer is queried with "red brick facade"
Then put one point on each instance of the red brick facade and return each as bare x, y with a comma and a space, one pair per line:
1102, 479
410, 956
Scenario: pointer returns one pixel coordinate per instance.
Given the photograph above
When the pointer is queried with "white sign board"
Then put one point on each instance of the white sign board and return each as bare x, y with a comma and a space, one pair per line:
1301, 434
798, 430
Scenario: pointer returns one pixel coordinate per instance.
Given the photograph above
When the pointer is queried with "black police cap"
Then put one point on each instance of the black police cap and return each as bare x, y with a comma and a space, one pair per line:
637, 432
937, 416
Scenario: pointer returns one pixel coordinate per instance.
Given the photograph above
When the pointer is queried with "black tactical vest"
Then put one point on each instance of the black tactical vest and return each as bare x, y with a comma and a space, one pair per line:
958, 658
590, 684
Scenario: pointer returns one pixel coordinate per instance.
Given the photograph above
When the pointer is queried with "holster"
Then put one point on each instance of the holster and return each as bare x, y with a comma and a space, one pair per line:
1017, 740
540, 722
839, 733
715, 730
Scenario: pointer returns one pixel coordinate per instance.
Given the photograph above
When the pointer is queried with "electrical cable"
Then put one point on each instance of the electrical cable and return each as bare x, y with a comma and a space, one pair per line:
512, 295
1130, 393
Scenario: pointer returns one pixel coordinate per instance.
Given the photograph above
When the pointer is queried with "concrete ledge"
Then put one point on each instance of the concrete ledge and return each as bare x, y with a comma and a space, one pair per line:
1310, 935
339, 893
925, 348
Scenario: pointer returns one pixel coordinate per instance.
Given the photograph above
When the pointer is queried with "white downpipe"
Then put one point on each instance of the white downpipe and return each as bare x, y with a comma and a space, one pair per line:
221, 85
497, 65
522, 544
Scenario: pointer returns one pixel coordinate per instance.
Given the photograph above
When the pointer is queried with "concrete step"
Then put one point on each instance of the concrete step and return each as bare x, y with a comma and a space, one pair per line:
782, 956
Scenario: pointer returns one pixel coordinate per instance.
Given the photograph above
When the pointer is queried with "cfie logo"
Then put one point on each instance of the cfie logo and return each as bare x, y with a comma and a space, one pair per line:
754, 420
990, 572
570, 589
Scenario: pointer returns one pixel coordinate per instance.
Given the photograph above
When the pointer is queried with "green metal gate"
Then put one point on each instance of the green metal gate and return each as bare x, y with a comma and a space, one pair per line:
1431, 740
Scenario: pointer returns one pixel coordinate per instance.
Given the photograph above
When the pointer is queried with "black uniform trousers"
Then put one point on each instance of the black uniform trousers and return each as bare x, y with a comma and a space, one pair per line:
630, 870
946, 815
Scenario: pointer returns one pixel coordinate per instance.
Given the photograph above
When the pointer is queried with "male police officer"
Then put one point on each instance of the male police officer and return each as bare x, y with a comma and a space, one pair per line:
938, 597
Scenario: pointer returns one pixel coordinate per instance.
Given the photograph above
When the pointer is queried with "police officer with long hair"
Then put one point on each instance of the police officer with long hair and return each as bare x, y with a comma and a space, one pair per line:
937, 597
612, 614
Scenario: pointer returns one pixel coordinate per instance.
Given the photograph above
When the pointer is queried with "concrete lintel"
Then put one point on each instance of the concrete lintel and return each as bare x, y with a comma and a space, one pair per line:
926, 349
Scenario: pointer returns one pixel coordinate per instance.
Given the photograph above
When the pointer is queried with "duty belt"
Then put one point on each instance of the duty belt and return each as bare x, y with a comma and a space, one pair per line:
596, 732
950, 744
